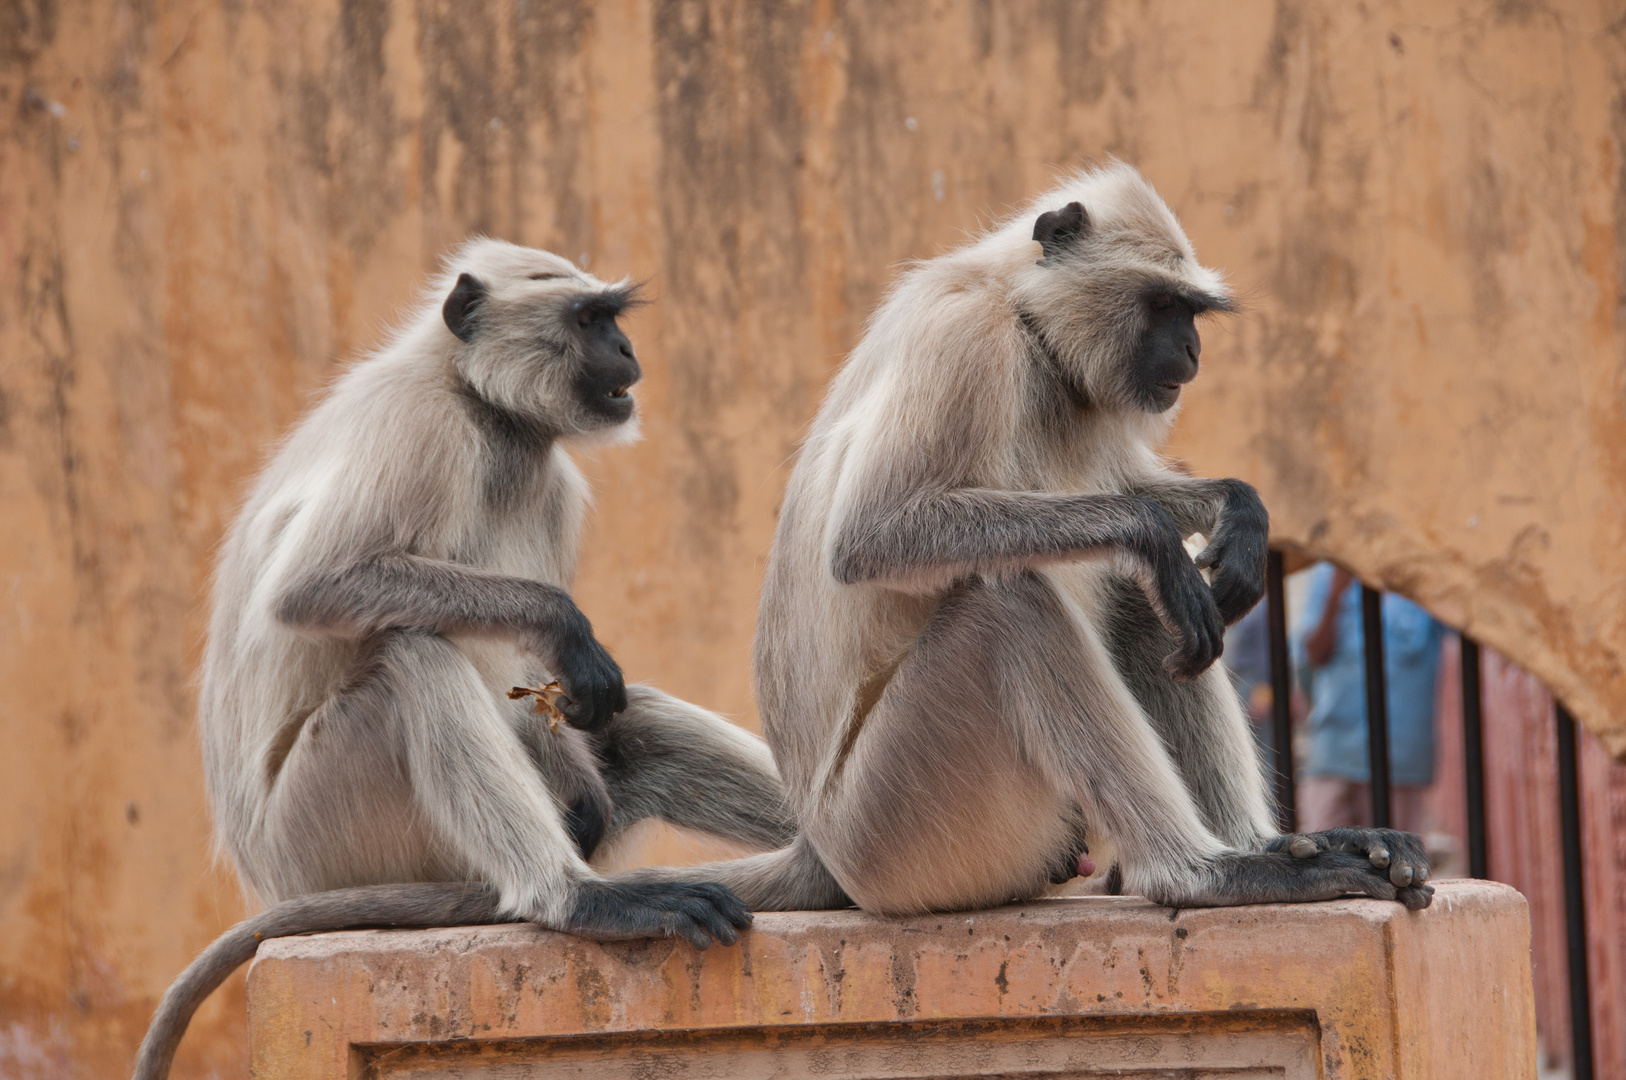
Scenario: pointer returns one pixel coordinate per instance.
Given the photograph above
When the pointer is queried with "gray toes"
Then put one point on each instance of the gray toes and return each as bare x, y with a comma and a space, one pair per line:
1380, 858
700, 913
1302, 847
1416, 897
691, 931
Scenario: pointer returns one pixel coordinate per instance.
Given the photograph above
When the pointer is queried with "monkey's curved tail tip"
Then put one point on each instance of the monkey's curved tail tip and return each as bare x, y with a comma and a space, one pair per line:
449, 904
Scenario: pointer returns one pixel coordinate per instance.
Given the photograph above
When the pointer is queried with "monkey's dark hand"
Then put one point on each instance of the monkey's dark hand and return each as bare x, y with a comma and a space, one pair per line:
1180, 596
594, 688
700, 912
1400, 853
1237, 552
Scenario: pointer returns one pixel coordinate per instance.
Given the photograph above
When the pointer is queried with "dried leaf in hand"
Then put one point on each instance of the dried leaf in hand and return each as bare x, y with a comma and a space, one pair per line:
547, 701
1195, 545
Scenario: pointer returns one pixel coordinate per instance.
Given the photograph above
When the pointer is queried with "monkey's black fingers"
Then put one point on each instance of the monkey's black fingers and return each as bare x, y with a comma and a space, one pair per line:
1400, 855
1235, 593
730, 906
594, 688
1238, 551
710, 907
1416, 897
1201, 637
1356, 875
696, 904
1302, 847
698, 912
1280, 878
686, 926
715, 924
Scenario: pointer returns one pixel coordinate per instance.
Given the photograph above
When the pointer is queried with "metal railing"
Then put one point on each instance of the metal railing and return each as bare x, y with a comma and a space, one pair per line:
1377, 727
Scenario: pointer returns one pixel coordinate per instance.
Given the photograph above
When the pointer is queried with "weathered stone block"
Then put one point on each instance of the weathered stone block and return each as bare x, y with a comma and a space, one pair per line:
1081, 987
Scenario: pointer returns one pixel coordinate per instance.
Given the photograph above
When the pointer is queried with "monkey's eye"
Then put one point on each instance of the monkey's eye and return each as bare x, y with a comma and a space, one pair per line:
1161, 301
545, 275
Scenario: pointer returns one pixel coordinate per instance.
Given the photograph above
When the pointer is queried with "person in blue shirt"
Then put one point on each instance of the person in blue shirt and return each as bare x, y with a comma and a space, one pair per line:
1336, 788
1247, 661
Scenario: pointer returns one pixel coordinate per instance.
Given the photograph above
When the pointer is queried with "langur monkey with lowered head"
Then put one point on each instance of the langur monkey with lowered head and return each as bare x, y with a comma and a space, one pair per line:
399, 567
981, 643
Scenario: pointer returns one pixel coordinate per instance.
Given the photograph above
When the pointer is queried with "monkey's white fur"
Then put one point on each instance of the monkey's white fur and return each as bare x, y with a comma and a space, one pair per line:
390, 462
945, 344
978, 610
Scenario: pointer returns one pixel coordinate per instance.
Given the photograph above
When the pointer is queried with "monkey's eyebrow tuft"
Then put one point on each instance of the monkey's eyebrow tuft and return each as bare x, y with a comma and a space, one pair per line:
608, 302
1199, 301
1210, 302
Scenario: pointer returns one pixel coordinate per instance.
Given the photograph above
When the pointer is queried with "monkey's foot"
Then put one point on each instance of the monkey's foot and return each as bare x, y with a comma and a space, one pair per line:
700, 912
1245, 877
1400, 853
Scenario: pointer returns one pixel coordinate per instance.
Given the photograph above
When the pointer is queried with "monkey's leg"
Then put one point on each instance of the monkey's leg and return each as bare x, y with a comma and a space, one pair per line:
1007, 710
945, 801
340, 810
794, 878
1199, 721
1204, 730
667, 759
459, 780
475, 794
567, 760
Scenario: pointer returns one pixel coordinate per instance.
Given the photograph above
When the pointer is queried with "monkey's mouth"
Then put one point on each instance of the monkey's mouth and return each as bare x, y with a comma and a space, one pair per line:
618, 393
1161, 396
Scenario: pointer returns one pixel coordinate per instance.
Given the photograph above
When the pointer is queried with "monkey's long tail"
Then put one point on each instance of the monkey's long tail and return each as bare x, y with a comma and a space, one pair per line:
422, 904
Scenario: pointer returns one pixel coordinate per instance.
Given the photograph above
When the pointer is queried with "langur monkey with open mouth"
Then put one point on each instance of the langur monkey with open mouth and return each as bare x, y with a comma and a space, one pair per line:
401, 565
981, 642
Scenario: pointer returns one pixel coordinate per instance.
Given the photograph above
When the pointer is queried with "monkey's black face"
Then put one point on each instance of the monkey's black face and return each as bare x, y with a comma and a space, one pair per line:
1166, 357
609, 366
569, 342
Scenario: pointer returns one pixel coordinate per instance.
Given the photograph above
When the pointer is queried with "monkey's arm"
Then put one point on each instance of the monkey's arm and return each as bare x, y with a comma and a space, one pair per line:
948, 534
1231, 515
419, 593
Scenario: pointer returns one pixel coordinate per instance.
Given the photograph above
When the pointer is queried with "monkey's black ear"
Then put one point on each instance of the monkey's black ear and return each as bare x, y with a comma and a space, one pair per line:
458, 311
1055, 229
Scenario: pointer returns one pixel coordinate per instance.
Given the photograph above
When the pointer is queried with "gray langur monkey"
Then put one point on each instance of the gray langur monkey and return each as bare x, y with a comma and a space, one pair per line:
401, 564
980, 634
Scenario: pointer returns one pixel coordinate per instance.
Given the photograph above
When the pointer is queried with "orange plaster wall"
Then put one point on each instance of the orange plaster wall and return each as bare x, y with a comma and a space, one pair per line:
204, 207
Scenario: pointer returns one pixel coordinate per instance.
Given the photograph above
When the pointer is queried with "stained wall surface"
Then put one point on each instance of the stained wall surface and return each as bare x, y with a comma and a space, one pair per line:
205, 207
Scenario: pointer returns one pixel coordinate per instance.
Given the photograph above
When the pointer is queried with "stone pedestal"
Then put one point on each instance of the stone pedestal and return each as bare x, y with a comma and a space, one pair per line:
1085, 987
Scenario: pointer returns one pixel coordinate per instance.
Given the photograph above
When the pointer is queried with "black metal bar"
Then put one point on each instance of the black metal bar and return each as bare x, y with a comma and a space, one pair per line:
1473, 758
1281, 695
1569, 818
1377, 704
